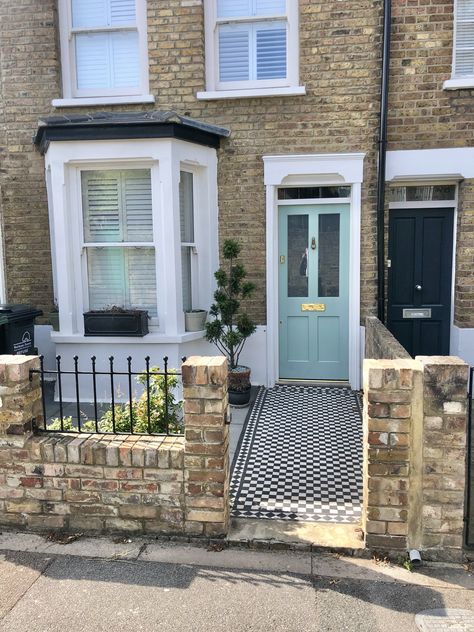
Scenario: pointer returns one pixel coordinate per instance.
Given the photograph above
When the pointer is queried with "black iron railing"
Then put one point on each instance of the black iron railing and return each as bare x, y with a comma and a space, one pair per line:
154, 408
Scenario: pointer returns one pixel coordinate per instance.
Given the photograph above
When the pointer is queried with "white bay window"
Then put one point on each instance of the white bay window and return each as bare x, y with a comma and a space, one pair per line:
251, 48
103, 52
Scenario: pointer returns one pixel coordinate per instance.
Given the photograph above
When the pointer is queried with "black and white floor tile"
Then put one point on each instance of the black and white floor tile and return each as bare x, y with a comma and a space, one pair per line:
301, 456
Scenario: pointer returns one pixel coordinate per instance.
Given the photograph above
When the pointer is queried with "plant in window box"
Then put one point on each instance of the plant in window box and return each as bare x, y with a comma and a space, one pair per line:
195, 319
230, 328
116, 321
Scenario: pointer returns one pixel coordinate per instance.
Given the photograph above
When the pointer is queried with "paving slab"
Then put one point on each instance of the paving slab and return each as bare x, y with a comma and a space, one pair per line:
83, 595
126, 549
435, 576
13, 541
18, 572
344, 536
287, 561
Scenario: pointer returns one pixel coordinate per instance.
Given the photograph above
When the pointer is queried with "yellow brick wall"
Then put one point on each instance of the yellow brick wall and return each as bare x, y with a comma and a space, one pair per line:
339, 64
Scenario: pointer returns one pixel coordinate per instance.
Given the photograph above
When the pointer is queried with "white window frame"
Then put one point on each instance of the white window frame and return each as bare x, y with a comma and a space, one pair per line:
74, 97
456, 82
165, 158
256, 88
86, 245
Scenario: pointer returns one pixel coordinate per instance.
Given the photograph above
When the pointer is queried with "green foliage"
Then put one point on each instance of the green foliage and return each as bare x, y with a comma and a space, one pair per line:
139, 410
230, 328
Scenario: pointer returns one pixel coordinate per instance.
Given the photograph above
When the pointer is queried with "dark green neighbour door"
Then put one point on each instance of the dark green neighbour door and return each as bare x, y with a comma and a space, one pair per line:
420, 278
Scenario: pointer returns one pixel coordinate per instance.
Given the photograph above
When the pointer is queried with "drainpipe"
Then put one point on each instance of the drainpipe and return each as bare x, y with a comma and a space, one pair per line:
382, 143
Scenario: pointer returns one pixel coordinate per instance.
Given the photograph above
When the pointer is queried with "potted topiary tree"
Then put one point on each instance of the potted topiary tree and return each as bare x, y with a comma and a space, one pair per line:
230, 328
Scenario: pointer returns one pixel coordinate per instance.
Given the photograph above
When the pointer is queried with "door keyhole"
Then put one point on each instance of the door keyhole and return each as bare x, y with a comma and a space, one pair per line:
313, 243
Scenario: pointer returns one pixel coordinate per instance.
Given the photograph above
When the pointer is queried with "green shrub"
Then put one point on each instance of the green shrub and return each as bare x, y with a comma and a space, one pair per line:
139, 410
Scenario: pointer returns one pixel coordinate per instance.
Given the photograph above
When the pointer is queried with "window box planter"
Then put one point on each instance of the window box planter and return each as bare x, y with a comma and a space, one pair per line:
116, 323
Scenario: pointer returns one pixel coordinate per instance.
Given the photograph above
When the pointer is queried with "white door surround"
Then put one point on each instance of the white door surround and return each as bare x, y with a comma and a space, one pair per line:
306, 171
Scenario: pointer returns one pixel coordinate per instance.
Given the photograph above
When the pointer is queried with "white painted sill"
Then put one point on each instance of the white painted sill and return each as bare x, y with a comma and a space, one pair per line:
78, 102
151, 338
459, 84
251, 92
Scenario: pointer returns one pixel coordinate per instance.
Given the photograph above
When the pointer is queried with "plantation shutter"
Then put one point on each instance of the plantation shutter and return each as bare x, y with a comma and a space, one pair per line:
107, 59
137, 205
255, 50
186, 216
241, 8
234, 52
271, 51
464, 54
102, 206
117, 208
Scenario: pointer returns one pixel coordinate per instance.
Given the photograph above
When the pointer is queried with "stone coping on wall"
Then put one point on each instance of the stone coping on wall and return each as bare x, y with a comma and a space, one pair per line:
380, 344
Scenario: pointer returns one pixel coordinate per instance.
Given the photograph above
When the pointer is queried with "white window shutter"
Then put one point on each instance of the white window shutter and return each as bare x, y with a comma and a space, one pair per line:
141, 279
233, 8
89, 13
464, 57
186, 207
106, 275
92, 61
234, 53
271, 51
137, 203
122, 12
101, 194
117, 207
270, 7
125, 58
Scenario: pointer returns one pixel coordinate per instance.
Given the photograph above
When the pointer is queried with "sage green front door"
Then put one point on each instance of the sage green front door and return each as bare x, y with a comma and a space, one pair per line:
314, 292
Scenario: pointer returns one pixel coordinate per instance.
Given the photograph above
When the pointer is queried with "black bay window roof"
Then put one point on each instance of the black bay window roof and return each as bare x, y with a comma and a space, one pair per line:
126, 125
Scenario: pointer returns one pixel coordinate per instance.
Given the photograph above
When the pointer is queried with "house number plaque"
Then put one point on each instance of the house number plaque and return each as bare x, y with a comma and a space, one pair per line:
313, 307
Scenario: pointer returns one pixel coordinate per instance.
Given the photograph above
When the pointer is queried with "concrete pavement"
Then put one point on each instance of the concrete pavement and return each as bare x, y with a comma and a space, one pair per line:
101, 585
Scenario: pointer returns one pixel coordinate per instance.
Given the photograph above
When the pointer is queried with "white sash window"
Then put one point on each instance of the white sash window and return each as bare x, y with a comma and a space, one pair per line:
103, 49
251, 45
118, 239
462, 75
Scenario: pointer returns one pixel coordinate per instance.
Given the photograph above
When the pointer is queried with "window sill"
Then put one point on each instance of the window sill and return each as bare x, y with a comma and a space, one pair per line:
78, 101
251, 92
459, 84
151, 338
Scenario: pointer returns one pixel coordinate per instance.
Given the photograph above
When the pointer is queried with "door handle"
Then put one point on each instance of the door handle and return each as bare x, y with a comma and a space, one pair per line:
418, 288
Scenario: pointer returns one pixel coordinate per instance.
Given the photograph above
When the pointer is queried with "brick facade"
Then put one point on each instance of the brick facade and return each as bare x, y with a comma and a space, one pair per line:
340, 67
115, 483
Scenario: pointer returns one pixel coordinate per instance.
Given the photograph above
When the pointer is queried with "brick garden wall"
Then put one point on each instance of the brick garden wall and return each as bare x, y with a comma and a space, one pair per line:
414, 455
109, 483
380, 343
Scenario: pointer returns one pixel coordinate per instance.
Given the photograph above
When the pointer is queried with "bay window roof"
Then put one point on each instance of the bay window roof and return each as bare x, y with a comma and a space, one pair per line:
126, 125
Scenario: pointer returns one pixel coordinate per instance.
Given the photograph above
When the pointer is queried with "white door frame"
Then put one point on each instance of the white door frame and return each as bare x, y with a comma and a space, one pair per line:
313, 170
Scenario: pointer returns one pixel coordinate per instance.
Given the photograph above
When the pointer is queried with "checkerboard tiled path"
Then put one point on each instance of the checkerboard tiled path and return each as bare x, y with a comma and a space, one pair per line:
301, 456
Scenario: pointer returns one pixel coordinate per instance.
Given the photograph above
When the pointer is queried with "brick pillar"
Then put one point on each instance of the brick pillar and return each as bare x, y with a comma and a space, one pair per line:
20, 398
444, 454
392, 419
206, 456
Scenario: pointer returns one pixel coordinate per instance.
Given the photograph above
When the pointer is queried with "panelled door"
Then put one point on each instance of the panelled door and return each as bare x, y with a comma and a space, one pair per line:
314, 292
419, 279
